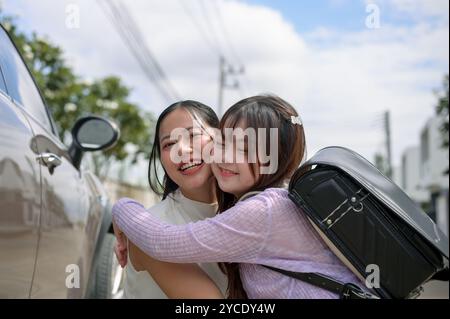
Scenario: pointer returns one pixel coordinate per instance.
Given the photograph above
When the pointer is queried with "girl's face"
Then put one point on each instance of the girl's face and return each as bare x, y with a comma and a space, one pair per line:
190, 173
235, 178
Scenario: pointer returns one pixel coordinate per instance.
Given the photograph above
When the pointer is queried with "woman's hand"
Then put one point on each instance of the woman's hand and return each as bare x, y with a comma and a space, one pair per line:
121, 246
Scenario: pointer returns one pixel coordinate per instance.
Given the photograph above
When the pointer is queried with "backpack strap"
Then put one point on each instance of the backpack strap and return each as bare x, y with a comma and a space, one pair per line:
345, 291
248, 195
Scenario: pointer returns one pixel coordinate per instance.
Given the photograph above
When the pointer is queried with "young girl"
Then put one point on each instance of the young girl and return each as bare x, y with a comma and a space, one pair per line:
265, 229
188, 196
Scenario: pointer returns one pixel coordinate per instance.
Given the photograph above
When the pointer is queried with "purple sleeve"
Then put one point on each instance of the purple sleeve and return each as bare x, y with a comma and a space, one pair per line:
237, 235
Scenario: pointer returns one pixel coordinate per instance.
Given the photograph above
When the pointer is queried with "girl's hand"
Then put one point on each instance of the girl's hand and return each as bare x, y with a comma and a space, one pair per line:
121, 246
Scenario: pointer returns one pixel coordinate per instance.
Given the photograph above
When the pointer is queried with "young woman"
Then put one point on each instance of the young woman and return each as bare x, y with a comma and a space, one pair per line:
265, 229
188, 195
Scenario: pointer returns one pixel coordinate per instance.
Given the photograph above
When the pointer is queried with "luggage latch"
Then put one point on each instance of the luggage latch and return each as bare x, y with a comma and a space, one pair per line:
350, 204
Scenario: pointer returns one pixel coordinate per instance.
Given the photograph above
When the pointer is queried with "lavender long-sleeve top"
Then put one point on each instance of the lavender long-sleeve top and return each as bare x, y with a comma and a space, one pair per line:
266, 229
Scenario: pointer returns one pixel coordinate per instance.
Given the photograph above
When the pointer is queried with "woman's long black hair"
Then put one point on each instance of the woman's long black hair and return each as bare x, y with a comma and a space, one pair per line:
197, 110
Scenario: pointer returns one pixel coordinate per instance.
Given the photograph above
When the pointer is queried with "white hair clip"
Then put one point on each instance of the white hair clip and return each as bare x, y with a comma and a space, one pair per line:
296, 120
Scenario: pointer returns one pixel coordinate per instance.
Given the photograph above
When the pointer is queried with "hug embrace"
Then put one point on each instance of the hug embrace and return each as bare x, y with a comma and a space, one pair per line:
226, 223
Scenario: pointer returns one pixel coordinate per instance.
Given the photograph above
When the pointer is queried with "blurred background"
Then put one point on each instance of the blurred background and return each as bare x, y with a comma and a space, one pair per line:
368, 75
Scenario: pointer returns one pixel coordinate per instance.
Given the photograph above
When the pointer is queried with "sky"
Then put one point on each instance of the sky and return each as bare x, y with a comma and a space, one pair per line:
341, 63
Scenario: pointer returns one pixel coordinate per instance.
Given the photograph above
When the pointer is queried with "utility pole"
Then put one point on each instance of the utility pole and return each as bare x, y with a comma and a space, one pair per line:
224, 70
221, 85
387, 130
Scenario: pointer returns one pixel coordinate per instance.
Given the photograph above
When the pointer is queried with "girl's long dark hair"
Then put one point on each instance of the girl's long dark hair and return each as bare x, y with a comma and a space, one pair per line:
198, 110
263, 112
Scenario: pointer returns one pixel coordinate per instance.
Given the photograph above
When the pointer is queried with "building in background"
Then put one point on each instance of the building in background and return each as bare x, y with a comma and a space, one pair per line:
410, 179
423, 174
434, 165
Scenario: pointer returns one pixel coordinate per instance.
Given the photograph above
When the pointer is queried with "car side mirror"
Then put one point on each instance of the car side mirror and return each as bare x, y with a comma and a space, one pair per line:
92, 133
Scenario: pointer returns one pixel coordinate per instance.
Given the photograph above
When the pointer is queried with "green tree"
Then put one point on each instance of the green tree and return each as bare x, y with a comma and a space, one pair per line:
442, 112
56, 80
108, 97
69, 97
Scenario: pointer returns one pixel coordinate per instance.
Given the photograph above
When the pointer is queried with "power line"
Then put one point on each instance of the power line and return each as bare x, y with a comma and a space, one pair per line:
130, 41
147, 51
124, 24
227, 38
212, 46
225, 67
387, 127
113, 16
211, 26
225, 33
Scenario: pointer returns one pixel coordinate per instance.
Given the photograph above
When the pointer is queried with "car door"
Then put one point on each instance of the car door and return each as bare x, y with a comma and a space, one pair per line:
20, 195
63, 247
63, 255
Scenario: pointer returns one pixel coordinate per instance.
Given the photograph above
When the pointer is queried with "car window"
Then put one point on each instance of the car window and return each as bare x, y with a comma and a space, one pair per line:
21, 87
2, 82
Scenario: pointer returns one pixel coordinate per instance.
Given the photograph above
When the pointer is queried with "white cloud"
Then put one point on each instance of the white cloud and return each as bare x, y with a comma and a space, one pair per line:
423, 7
340, 82
371, 71
417, 9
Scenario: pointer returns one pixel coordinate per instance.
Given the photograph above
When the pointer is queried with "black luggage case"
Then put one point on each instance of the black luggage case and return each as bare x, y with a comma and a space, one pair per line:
367, 220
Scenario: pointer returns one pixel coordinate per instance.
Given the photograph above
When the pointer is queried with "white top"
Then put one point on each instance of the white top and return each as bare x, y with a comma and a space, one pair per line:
175, 209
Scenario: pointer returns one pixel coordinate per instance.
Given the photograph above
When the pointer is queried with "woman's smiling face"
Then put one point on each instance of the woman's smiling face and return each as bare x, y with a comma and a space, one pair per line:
190, 173
238, 176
